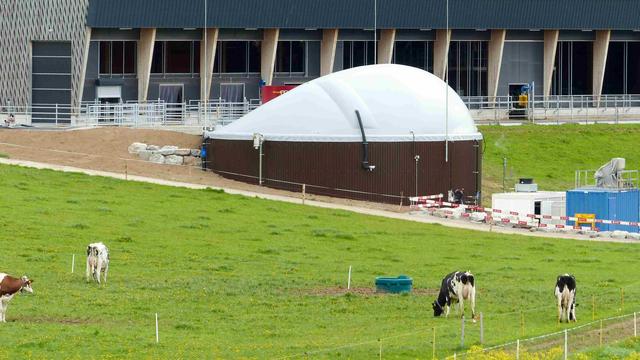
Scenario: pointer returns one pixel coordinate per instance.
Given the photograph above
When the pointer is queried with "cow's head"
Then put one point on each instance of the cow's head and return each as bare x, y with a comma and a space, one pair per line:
26, 285
437, 308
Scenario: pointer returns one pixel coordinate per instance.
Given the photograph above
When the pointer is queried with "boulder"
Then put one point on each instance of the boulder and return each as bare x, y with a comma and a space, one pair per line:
156, 158
168, 150
153, 147
195, 152
192, 161
145, 154
619, 234
633, 236
182, 152
173, 160
136, 147
478, 216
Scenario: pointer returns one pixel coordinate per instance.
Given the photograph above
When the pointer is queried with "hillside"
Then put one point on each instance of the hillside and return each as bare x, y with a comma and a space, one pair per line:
551, 154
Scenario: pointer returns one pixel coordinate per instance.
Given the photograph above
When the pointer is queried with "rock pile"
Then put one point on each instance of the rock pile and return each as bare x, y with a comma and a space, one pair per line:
168, 154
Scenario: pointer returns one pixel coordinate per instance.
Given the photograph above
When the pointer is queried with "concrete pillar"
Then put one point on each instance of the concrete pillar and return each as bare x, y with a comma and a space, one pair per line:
328, 51
145, 58
385, 46
207, 59
268, 60
550, 47
496, 46
600, 50
85, 62
441, 53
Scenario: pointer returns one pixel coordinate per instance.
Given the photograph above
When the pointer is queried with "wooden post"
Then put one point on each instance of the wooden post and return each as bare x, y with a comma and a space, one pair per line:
481, 329
635, 325
462, 334
433, 344
304, 192
600, 333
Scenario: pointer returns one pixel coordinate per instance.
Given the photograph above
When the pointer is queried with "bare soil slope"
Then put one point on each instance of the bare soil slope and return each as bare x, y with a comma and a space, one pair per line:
105, 149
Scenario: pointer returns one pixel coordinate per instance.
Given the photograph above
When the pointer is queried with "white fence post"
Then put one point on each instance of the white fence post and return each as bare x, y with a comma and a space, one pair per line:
349, 281
635, 325
518, 349
481, 329
157, 336
566, 350
462, 334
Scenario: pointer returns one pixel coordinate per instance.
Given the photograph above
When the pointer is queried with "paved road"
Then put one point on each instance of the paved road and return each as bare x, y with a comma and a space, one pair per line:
297, 200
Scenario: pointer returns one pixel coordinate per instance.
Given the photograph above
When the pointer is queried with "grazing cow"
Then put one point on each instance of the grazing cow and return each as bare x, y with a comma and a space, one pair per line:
457, 287
566, 297
9, 287
97, 261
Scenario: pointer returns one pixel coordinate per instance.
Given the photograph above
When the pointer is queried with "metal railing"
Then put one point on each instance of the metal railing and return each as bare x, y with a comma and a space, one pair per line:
627, 179
501, 109
555, 108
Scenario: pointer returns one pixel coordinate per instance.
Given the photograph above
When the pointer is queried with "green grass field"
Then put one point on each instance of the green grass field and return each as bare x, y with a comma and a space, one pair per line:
236, 277
551, 154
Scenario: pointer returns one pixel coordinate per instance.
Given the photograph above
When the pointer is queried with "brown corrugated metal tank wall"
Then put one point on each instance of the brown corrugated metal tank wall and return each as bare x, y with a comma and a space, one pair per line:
335, 169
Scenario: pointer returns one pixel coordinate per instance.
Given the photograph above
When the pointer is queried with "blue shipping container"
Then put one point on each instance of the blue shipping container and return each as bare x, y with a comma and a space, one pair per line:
606, 204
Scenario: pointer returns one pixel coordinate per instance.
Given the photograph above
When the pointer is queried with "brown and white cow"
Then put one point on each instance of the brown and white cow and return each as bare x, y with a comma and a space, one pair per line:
9, 287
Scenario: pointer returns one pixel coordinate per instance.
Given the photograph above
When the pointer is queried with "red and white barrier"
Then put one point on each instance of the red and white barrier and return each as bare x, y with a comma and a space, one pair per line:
426, 202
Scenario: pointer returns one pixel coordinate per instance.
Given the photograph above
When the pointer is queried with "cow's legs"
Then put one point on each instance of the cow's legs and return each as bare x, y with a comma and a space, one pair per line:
3, 310
473, 304
559, 297
106, 271
98, 270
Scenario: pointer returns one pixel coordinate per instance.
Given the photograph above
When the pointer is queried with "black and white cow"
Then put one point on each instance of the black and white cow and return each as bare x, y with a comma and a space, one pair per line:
456, 287
566, 297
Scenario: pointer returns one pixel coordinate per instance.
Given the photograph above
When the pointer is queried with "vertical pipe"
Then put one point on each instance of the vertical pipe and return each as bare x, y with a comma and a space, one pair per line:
593, 307
380, 353
260, 164
304, 193
518, 349
446, 94
635, 325
504, 173
349, 281
73, 263
157, 336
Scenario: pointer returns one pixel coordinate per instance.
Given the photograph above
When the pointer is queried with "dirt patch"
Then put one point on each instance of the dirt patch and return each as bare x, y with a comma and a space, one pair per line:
105, 149
338, 291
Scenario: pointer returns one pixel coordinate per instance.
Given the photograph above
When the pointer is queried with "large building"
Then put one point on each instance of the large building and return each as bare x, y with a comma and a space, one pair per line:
72, 51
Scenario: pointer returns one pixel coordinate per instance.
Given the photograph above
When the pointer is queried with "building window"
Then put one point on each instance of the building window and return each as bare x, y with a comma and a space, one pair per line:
467, 67
291, 57
622, 75
418, 54
176, 57
357, 53
117, 57
237, 57
572, 74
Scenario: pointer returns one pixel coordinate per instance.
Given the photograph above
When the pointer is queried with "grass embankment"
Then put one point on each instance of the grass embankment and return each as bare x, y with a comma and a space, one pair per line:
234, 277
551, 154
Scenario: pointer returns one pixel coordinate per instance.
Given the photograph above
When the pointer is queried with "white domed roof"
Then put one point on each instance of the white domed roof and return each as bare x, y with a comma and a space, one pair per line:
393, 101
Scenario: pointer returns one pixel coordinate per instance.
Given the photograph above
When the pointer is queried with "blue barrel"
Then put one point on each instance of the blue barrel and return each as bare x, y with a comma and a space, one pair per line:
394, 285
